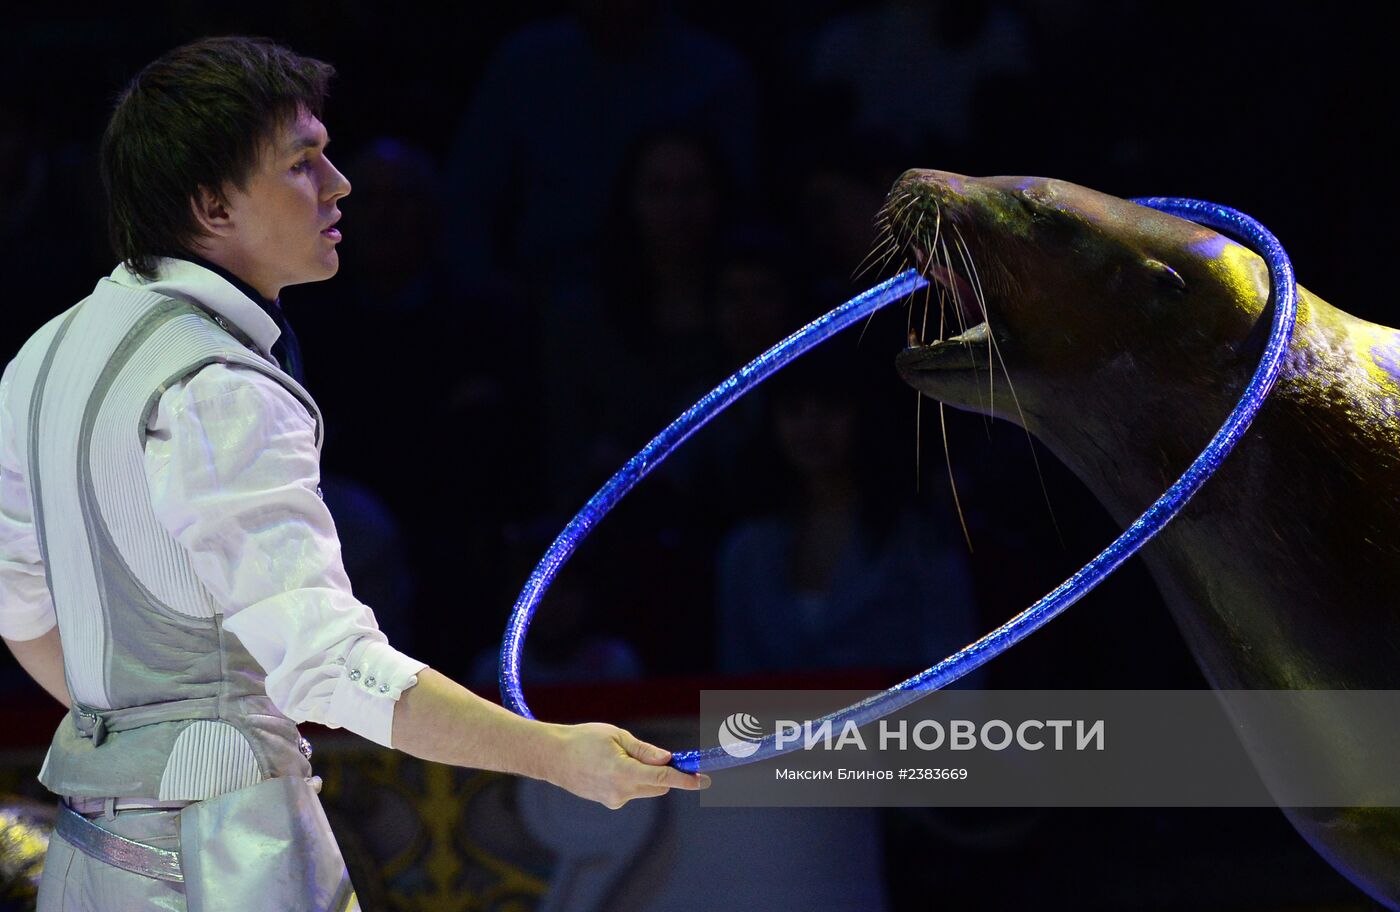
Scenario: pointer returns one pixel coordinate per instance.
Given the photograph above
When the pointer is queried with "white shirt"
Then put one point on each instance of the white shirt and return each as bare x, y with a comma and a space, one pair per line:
233, 470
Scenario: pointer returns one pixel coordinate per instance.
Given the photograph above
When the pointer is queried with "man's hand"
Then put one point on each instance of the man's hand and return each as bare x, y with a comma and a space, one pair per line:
606, 764
438, 719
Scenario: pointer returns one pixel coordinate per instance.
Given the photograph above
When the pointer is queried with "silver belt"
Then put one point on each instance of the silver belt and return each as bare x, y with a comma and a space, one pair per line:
118, 851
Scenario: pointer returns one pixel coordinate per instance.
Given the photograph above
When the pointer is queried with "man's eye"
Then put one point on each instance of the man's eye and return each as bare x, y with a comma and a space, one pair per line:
301, 165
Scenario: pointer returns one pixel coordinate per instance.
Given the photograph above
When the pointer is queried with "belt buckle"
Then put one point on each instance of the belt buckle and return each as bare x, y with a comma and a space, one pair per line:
98, 734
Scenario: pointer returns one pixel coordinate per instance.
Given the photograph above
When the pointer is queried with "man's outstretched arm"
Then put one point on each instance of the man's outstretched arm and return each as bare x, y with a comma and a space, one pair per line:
233, 468
439, 719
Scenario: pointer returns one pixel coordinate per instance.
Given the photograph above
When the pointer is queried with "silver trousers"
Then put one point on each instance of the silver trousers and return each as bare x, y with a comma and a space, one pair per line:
74, 882
263, 847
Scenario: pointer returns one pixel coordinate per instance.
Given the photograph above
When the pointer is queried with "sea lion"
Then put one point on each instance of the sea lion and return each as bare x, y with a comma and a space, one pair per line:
1129, 335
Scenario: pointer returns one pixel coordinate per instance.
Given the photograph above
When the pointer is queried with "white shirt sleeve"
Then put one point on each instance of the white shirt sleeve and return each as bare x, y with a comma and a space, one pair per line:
26, 606
233, 469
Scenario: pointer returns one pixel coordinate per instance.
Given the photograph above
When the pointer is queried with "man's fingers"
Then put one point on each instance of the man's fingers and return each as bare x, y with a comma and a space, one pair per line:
630, 792
647, 753
670, 777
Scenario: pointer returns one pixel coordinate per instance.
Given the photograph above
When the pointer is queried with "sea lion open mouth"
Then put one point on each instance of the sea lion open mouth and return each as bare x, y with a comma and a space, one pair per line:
924, 222
967, 349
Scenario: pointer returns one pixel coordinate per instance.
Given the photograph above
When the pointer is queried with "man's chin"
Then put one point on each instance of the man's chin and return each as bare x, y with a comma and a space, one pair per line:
330, 265
326, 269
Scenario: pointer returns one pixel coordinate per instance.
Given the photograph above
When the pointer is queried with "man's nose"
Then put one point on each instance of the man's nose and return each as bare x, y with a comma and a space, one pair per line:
341, 184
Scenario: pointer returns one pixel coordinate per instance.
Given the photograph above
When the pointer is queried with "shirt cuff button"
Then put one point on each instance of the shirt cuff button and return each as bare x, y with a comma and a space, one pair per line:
355, 675
369, 681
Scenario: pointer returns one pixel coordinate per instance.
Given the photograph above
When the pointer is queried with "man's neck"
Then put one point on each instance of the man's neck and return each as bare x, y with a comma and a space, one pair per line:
285, 350
241, 284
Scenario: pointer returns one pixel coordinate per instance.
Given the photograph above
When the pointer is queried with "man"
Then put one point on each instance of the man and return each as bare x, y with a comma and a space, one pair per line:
167, 569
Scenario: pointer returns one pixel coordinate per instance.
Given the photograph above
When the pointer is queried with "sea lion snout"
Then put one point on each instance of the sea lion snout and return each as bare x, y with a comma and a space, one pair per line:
917, 178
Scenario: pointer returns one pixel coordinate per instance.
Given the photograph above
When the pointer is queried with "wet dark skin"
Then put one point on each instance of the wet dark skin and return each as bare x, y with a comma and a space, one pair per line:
1129, 336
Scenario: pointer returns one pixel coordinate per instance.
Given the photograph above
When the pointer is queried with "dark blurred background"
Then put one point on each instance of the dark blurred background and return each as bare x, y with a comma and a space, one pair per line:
570, 220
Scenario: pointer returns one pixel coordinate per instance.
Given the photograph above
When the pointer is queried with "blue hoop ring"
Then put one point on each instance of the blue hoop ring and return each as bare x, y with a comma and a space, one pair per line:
1283, 297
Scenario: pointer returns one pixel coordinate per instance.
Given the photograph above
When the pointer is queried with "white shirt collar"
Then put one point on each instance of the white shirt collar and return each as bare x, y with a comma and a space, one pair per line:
182, 278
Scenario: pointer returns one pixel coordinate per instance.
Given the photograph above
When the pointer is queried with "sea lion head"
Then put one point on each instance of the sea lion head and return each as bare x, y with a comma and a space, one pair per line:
1096, 309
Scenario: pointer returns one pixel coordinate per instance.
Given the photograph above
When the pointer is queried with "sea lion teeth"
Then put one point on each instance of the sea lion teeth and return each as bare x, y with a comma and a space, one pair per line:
965, 352
977, 334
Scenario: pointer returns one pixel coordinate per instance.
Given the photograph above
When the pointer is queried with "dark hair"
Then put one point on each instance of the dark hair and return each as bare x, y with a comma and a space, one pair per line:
196, 117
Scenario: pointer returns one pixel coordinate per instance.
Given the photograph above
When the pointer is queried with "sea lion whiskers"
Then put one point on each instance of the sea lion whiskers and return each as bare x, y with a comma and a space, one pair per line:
897, 207
937, 234
910, 299
923, 326
947, 264
893, 252
952, 482
924, 267
943, 433
918, 223
883, 242
894, 249
921, 263
918, 400
924, 256
942, 412
980, 296
884, 239
992, 346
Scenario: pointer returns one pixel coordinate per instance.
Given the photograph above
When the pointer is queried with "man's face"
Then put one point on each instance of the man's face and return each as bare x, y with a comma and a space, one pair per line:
276, 233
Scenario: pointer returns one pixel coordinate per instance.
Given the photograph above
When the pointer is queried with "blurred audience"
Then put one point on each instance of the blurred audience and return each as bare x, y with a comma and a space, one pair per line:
846, 571
911, 68
655, 348
545, 135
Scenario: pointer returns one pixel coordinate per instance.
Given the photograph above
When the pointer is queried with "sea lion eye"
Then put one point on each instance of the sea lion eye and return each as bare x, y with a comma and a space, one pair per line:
1034, 207
1166, 275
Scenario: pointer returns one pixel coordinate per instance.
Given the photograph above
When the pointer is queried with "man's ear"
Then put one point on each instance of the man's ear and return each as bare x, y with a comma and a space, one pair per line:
211, 212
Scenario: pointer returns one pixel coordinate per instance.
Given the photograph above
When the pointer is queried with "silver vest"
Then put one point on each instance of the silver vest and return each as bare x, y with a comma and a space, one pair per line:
166, 704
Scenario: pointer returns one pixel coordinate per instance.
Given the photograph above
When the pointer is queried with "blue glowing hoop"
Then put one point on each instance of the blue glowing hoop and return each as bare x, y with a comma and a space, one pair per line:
1283, 294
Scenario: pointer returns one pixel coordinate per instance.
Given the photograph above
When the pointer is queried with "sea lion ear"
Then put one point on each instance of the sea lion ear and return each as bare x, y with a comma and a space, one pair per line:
1165, 274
